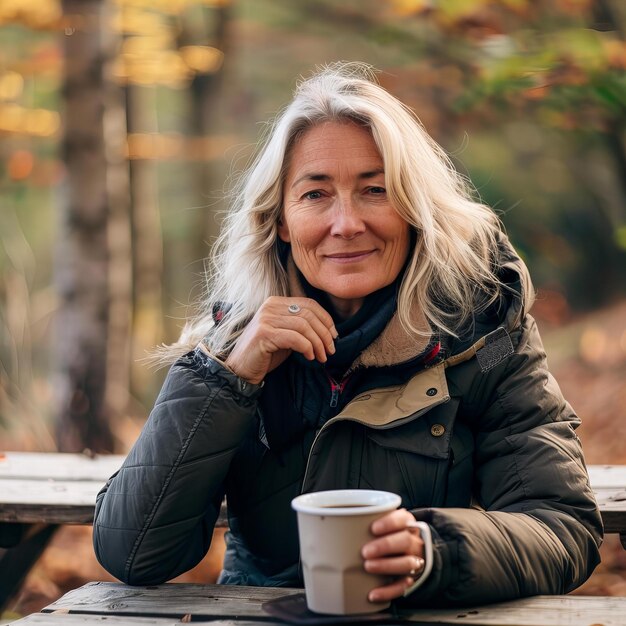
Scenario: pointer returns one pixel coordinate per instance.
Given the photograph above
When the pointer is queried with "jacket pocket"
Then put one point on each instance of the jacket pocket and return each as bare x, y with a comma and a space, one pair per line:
415, 457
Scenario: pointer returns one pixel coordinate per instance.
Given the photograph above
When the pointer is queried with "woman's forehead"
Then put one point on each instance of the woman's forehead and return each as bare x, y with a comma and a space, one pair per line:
327, 149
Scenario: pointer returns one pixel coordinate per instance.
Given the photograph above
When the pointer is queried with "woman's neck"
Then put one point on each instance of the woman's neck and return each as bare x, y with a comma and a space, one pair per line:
345, 308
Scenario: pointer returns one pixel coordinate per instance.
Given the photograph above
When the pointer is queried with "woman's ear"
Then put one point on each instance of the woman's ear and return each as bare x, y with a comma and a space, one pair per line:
283, 230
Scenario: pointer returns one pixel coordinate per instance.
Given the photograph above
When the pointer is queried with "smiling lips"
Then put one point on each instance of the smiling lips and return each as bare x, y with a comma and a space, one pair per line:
350, 257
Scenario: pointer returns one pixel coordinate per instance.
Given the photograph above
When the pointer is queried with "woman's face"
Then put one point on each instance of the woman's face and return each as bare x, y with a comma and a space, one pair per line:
345, 236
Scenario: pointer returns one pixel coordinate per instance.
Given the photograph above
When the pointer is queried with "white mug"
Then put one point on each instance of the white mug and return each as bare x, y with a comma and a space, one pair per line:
333, 526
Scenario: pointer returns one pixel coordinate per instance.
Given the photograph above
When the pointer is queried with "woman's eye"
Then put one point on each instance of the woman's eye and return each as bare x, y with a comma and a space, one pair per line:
376, 190
312, 195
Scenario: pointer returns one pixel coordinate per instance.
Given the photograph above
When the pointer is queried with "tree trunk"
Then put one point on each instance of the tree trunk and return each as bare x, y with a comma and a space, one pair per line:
204, 92
147, 246
89, 272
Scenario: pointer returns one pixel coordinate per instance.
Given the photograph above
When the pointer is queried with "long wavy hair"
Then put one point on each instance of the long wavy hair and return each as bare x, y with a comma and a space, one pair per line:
452, 265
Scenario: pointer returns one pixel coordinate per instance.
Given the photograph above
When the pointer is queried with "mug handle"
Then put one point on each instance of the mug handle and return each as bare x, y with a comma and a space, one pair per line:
427, 538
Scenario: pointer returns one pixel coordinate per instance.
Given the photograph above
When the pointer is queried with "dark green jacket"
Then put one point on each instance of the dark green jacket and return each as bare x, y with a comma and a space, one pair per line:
478, 441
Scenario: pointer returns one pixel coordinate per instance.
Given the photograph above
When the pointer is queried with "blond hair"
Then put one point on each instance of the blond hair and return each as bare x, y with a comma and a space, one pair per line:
453, 263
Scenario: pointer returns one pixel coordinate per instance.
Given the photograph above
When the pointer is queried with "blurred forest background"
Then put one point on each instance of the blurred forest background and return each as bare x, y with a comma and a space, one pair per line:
123, 123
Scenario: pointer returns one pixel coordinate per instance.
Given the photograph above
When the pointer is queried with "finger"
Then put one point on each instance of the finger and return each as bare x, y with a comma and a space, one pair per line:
395, 566
323, 315
275, 316
318, 318
287, 339
320, 326
307, 324
318, 311
398, 543
392, 522
390, 592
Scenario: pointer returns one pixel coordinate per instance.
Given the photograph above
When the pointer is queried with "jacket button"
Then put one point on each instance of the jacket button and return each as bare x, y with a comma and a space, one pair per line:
436, 430
431, 392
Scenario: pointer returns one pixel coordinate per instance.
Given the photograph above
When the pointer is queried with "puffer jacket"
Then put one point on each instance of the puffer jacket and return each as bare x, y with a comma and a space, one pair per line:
472, 432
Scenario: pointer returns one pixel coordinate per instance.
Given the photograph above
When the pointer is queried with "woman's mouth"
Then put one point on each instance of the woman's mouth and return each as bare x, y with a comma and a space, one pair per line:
350, 257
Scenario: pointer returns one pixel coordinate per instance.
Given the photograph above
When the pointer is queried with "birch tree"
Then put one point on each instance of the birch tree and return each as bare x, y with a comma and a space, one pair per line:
92, 261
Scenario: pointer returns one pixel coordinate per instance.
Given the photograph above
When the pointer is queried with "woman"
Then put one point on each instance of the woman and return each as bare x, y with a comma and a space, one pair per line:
367, 326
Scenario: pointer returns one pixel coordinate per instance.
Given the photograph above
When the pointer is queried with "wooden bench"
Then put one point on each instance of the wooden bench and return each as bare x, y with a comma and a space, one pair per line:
116, 604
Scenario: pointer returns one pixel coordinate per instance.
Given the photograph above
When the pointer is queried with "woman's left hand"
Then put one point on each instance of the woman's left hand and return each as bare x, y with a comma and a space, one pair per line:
397, 551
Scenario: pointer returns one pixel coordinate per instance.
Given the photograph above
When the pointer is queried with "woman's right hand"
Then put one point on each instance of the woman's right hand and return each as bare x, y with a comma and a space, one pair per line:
275, 332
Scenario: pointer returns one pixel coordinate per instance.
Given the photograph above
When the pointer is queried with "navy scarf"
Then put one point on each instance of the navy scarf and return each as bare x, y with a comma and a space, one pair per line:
281, 404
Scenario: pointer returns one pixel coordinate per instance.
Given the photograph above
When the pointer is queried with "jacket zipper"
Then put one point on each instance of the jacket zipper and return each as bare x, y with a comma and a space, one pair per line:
336, 389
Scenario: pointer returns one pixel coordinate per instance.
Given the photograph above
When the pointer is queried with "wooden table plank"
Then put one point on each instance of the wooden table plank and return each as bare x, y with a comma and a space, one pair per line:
50, 487
169, 600
224, 601
56, 502
612, 505
535, 611
53, 502
76, 619
607, 476
61, 488
65, 619
67, 466
50, 492
57, 465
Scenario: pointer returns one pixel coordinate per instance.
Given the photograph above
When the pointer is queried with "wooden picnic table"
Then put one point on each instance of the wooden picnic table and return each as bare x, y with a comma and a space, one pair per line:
39, 491
52, 488
609, 486
116, 604
57, 488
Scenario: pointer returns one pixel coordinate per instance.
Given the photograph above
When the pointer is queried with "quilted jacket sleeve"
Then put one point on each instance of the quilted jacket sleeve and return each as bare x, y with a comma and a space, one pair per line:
154, 518
538, 528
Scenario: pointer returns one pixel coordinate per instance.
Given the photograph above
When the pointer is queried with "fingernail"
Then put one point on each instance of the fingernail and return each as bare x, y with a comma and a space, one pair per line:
372, 597
367, 552
334, 333
332, 348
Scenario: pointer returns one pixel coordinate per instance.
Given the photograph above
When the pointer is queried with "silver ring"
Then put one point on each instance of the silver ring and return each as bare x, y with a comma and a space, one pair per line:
294, 309
419, 565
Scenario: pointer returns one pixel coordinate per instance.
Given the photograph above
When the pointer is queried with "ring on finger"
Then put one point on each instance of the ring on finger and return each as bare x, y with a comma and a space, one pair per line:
417, 567
294, 309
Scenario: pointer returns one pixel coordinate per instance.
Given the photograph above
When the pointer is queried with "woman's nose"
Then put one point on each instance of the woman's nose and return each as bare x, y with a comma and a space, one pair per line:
346, 220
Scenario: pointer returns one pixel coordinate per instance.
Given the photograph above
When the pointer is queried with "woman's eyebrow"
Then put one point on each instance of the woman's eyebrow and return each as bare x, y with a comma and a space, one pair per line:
373, 173
312, 176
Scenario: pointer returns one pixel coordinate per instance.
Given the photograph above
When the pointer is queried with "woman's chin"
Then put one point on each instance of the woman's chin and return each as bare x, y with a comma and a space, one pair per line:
356, 287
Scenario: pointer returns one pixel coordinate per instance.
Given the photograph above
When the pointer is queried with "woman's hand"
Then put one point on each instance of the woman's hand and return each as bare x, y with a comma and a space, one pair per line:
276, 330
398, 551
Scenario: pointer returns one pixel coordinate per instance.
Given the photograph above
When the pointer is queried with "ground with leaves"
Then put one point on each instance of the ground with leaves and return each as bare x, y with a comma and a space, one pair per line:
587, 354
